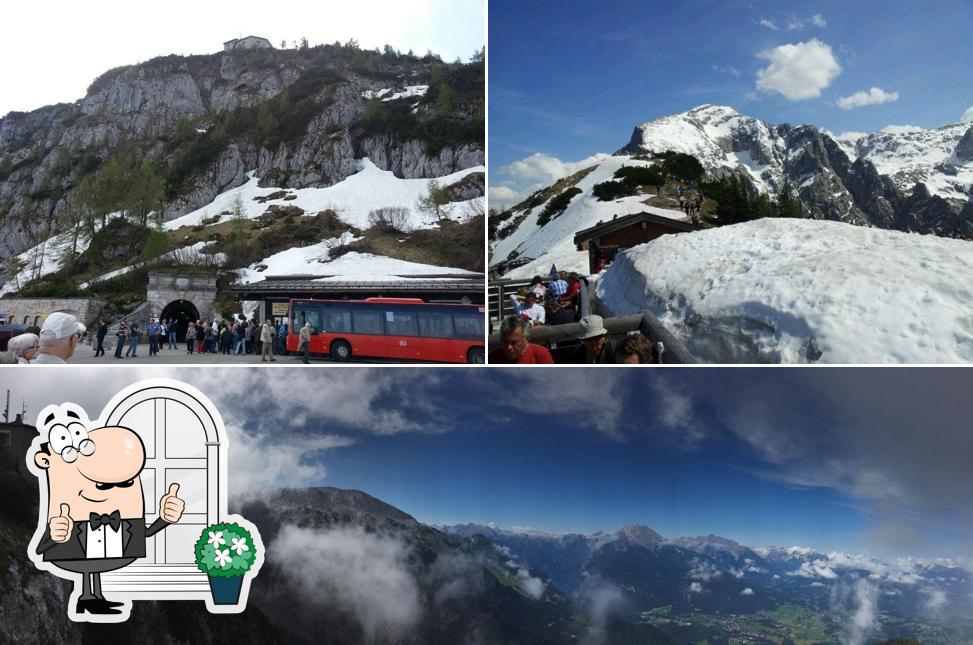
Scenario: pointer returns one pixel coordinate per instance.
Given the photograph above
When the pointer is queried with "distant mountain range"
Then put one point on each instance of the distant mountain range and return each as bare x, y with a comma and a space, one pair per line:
347, 568
906, 179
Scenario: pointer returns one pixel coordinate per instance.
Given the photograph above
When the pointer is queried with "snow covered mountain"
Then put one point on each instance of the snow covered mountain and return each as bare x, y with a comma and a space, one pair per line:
307, 161
908, 180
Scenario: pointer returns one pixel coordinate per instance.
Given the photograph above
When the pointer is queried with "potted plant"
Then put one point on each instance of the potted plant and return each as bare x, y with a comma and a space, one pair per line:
225, 552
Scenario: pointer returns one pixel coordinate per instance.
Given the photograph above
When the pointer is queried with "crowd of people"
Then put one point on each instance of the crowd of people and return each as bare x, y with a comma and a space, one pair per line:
596, 347
61, 333
690, 202
236, 336
556, 302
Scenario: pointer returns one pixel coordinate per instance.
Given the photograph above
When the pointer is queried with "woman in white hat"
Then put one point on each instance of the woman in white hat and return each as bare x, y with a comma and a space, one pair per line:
24, 347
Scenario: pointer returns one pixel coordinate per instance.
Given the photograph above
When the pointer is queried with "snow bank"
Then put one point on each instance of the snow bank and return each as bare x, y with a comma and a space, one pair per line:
352, 199
795, 291
46, 258
554, 242
390, 95
315, 260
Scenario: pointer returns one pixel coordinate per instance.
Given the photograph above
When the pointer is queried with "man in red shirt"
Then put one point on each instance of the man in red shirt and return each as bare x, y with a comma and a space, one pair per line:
514, 348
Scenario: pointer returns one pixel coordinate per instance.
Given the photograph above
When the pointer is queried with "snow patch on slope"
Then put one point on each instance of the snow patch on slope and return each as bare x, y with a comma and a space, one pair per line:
793, 291
554, 242
352, 199
314, 260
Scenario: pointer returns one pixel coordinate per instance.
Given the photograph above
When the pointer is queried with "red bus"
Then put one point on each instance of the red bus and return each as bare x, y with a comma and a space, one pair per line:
396, 328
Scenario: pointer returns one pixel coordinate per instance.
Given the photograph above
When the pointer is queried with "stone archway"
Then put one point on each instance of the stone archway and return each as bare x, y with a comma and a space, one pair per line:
180, 313
174, 295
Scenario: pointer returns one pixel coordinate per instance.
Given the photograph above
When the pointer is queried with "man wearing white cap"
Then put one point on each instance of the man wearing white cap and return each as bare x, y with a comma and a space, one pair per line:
59, 337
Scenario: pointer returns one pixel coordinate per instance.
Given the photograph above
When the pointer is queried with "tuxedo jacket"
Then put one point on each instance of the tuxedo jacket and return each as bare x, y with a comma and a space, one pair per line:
134, 533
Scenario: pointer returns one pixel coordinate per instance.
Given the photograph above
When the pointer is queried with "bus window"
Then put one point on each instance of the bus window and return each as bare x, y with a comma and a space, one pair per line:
368, 320
435, 323
307, 312
469, 325
337, 319
401, 322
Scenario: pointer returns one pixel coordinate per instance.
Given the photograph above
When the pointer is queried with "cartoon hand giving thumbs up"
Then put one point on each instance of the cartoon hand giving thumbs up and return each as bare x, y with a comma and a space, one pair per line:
171, 507
61, 525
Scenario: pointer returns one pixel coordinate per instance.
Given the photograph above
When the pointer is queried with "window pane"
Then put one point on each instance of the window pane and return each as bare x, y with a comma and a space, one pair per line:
337, 319
185, 436
307, 313
469, 325
368, 321
401, 322
435, 323
192, 487
148, 491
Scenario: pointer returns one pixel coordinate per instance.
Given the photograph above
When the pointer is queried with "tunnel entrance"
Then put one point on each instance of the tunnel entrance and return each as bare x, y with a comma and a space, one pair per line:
182, 312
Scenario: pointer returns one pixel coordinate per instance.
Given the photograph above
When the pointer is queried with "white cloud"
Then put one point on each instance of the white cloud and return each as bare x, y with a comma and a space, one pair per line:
794, 24
501, 196
936, 600
676, 412
967, 116
728, 69
768, 23
747, 592
704, 571
362, 573
533, 587
818, 20
599, 599
798, 72
695, 587
276, 460
863, 601
522, 177
874, 96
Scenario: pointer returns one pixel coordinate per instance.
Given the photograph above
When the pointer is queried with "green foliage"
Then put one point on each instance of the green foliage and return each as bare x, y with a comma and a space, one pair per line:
557, 205
609, 190
637, 176
787, 205
435, 199
455, 92
682, 166
156, 244
225, 550
52, 289
734, 203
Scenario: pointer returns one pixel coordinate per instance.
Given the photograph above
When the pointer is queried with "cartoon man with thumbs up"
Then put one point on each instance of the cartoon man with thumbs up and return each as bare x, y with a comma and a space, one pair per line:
96, 513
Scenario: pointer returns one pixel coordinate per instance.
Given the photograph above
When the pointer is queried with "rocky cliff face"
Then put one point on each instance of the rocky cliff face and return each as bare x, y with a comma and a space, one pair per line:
908, 180
298, 117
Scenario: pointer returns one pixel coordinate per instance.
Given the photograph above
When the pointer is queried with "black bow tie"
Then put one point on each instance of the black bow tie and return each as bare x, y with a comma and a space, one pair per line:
96, 521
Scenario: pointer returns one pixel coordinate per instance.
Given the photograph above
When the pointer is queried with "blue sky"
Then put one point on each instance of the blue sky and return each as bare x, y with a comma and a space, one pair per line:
574, 80
849, 459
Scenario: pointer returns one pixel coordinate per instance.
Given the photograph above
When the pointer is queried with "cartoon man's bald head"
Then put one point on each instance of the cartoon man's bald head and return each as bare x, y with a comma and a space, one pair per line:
92, 471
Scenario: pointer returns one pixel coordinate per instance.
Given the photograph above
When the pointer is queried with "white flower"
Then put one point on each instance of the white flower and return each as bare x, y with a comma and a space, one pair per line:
239, 545
222, 558
216, 539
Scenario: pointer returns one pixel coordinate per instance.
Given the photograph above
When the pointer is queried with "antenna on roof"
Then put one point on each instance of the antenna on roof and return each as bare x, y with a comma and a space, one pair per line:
6, 410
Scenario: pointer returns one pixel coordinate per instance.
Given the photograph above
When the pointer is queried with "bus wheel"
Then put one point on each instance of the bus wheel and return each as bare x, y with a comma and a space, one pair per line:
475, 355
341, 350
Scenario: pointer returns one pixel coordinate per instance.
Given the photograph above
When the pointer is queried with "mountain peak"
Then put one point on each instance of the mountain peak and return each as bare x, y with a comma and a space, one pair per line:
640, 535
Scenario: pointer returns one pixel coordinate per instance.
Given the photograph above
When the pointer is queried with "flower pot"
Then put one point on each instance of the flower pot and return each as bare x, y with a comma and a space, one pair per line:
226, 591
